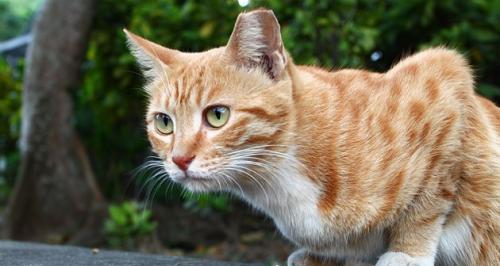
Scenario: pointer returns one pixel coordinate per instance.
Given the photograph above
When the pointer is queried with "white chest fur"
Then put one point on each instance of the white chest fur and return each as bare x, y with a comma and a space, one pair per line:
291, 199
454, 241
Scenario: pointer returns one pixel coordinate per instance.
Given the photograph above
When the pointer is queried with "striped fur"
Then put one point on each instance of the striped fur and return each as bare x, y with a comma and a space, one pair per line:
355, 167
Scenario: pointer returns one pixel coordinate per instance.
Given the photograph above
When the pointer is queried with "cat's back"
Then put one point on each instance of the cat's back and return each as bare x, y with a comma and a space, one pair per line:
432, 85
436, 74
422, 97
421, 117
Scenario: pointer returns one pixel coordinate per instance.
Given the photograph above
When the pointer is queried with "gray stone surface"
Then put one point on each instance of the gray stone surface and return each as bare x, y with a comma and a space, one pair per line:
18, 253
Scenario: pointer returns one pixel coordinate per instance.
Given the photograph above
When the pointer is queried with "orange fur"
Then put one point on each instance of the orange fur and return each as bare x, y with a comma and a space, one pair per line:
403, 165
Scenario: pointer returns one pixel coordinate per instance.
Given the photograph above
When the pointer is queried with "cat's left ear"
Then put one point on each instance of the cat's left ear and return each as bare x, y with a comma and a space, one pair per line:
153, 58
256, 42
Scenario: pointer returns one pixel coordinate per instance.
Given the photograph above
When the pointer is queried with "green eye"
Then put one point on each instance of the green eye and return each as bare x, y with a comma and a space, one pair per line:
217, 116
164, 124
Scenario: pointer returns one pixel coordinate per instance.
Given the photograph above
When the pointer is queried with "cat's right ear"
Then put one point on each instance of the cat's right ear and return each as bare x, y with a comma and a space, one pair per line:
256, 42
153, 58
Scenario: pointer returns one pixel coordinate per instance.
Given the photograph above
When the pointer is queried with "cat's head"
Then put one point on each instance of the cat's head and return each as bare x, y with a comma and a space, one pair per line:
220, 118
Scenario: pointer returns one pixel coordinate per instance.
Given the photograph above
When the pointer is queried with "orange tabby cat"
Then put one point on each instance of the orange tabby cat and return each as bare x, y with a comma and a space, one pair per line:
355, 167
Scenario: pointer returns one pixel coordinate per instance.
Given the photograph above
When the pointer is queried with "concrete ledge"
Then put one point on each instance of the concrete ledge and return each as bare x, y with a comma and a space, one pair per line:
19, 253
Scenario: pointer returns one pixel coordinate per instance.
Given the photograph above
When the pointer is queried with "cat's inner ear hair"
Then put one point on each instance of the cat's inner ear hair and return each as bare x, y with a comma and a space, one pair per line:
256, 42
153, 58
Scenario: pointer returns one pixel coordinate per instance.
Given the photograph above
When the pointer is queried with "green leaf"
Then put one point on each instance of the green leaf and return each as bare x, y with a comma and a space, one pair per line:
118, 215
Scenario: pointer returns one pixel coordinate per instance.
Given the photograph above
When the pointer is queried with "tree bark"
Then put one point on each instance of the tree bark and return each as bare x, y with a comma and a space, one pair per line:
55, 190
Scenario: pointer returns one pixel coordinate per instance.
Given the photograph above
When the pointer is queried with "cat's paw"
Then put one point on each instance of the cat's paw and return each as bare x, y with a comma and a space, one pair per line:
402, 259
297, 258
350, 262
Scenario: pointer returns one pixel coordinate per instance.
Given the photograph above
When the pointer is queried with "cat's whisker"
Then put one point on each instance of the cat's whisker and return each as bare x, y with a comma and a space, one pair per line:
238, 169
259, 174
218, 183
145, 169
268, 170
147, 166
162, 180
269, 181
155, 176
186, 192
231, 179
257, 155
293, 161
151, 190
170, 186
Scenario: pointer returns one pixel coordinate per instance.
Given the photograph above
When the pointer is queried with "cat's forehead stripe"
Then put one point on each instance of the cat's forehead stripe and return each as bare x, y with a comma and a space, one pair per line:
189, 85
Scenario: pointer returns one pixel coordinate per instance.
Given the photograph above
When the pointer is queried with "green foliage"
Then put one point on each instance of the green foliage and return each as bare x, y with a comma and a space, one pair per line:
489, 91
328, 33
345, 33
10, 122
206, 204
127, 225
15, 16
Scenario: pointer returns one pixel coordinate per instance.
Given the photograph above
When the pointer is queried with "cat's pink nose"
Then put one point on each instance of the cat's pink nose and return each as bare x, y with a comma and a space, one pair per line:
183, 161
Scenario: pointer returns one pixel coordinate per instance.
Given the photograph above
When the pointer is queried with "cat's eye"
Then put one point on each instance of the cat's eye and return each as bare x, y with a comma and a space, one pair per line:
163, 124
217, 116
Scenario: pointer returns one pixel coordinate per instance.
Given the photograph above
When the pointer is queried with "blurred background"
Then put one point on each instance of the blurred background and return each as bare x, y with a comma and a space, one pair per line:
72, 138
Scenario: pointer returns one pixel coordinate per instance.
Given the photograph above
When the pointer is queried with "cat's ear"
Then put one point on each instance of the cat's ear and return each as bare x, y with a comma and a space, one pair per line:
153, 58
256, 42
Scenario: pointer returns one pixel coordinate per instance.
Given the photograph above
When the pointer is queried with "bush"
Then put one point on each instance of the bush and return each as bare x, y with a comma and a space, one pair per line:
16, 17
206, 204
10, 124
127, 226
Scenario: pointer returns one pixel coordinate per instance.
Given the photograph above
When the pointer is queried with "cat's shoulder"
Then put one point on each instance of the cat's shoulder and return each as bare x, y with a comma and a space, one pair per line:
441, 62
338, 76
436, 54
437, 69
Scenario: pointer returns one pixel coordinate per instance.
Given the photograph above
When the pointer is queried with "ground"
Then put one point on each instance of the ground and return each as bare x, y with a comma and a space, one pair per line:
241, 234
18, 253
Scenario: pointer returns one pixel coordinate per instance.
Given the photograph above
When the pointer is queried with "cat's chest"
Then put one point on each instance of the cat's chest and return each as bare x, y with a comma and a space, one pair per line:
303, 226
292, 203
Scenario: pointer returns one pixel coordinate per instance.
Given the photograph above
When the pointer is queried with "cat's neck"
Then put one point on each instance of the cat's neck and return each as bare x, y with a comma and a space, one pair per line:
294, 174
286, 195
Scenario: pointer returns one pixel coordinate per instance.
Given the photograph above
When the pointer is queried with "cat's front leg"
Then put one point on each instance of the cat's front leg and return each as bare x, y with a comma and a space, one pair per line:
413, 243
302, 257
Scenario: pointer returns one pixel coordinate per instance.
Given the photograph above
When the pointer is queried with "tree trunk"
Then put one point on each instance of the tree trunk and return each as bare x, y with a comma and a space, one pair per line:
55, 191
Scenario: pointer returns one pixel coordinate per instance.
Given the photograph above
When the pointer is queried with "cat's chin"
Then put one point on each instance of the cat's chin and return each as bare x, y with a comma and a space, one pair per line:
199, 184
